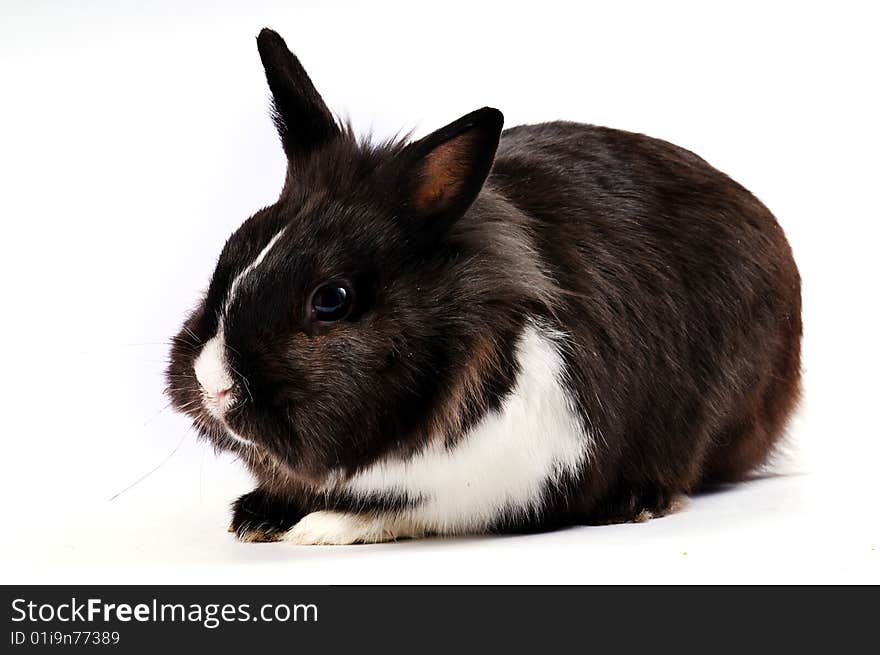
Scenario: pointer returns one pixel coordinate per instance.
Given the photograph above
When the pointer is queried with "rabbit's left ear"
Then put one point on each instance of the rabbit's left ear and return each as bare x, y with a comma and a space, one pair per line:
444, 171
304, 123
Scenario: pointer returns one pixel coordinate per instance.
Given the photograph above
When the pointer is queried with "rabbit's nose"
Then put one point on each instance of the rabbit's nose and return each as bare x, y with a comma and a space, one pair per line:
218, 396
217, 401
212, 373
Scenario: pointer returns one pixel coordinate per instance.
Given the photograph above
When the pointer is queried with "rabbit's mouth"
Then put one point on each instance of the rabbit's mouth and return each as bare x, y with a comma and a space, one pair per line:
235, 436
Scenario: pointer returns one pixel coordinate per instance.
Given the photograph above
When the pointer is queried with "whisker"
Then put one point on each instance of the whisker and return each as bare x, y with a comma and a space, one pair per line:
157, 414
247, 387
153, 470
189, 405
193, 335
176, 388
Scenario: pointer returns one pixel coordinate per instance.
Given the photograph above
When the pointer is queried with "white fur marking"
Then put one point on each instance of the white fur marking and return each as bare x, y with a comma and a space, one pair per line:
503, 465
330, 527
211, 368
232, 433
250, 268
212, 372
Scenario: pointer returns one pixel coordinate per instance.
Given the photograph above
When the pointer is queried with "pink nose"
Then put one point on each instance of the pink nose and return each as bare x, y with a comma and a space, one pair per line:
222, 393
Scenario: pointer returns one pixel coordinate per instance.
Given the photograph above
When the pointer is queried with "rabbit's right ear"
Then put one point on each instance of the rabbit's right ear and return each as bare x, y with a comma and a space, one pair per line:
304, 123
444, 171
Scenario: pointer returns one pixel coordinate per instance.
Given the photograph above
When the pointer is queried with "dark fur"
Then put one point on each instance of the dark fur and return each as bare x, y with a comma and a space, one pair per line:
676, 287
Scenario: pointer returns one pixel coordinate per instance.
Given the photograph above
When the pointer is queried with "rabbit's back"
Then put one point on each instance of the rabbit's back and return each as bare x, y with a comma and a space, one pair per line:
680, 296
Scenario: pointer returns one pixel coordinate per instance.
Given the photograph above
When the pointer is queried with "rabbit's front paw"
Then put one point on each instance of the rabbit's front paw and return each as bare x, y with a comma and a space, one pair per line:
340, 528
259, 517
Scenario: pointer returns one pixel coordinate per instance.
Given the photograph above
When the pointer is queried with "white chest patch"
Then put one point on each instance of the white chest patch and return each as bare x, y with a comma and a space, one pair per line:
504, 464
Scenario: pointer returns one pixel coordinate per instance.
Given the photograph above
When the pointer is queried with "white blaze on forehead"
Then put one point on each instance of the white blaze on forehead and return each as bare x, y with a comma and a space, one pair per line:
211, 367
250, 268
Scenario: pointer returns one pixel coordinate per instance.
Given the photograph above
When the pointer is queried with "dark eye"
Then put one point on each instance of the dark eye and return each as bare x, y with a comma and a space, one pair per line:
332, 301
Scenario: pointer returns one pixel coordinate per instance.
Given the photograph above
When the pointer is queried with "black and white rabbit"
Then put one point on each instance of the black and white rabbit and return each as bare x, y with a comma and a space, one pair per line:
482, 331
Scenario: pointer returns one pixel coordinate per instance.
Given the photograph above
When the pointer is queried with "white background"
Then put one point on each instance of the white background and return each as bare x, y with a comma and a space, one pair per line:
133, 140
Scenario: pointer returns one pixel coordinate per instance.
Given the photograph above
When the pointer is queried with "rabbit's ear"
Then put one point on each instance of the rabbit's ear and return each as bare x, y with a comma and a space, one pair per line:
444, 171
304, 123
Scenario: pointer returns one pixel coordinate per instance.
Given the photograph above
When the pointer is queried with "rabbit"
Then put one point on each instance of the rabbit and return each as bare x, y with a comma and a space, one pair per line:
486, 331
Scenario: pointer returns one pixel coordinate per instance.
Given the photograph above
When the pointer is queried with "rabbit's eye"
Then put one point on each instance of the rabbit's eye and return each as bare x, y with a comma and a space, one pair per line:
332, 301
